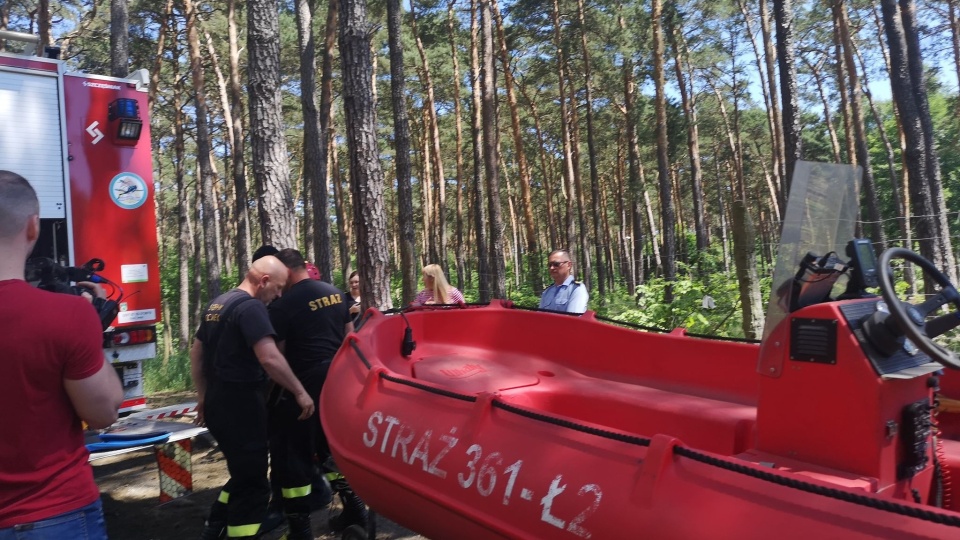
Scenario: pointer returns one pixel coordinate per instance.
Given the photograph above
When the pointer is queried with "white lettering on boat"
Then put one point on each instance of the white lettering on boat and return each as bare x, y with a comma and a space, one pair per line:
391, 421
402, 441
370, 438
403, 436
451, 442
488, 471
575, 523
422, 451
467, 481
514, 469
481, 470
547, 503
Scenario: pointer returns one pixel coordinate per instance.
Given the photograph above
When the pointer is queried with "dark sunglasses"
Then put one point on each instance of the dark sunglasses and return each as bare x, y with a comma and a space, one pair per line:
557, 264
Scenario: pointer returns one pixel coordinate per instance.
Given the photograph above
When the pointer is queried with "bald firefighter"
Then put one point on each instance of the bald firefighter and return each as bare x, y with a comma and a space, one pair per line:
233, 352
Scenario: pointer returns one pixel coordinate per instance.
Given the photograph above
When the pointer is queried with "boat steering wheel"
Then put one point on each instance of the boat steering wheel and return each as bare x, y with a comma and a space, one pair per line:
911, 318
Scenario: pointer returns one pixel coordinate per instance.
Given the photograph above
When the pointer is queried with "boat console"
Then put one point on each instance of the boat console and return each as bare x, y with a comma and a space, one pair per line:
839, 404
847, 378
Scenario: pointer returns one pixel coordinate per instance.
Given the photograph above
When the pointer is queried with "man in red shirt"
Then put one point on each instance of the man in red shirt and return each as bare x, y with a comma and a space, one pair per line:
53, 374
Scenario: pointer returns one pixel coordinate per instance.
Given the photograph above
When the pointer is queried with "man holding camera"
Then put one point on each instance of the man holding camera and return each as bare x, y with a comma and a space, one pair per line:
54, 375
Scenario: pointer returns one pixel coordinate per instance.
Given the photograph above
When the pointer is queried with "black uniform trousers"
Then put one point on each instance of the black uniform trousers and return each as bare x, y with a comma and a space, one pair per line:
293, 443
236, 415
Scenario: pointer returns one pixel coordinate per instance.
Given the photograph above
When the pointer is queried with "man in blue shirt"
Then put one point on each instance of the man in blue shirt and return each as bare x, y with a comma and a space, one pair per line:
565, 294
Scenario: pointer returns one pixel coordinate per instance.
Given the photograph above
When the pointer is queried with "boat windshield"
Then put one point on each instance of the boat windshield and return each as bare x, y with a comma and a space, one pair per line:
820, 218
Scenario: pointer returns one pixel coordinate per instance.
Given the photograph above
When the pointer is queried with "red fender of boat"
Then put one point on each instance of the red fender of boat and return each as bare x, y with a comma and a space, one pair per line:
519, 424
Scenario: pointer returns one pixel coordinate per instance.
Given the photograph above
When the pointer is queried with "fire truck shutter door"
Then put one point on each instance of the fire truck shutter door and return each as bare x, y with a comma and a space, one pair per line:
30, 139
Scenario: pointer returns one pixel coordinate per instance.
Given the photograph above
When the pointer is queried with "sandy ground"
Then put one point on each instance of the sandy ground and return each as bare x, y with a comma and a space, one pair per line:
130, 489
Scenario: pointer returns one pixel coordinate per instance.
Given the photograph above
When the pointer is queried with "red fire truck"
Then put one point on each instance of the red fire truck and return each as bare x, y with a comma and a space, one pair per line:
83, 142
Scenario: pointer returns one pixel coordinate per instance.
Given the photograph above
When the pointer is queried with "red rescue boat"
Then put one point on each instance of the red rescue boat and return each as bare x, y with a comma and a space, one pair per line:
514, 423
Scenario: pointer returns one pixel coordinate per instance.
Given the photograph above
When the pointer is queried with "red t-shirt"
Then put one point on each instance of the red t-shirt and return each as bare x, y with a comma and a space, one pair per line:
44, 338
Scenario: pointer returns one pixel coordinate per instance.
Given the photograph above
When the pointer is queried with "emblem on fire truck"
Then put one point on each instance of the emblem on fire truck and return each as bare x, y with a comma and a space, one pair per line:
94, 132
128, 190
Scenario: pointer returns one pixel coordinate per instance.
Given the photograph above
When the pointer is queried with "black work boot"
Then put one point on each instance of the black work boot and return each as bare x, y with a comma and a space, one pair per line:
299, 527
321, 495
354, 511
213, 530
274, 516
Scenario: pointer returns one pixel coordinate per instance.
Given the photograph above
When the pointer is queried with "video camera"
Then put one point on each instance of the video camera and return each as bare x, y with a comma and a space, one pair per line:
47, 274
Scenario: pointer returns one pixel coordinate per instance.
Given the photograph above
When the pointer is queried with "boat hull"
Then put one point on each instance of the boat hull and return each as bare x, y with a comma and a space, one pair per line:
455, 464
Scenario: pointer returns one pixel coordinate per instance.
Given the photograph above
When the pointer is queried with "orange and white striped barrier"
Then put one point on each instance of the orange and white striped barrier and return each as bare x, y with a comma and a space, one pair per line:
165, 412
176, 470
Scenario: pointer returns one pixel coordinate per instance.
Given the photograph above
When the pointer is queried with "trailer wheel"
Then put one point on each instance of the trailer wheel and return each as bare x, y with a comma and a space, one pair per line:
354, 532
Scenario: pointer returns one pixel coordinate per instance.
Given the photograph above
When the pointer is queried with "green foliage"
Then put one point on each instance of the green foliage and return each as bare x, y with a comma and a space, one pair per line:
686, 310
167, 374
170, 376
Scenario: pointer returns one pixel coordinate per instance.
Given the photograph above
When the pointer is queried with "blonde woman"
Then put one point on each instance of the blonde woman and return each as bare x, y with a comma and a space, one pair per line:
436, 289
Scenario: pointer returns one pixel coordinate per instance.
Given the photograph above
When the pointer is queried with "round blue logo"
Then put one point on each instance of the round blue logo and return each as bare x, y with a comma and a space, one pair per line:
128, 190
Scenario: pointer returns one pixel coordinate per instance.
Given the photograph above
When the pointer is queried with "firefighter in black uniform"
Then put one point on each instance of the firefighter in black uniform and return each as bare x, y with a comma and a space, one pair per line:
311, 319
233, 348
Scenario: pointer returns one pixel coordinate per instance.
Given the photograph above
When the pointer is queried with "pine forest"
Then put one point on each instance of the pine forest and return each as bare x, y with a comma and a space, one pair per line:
655, 140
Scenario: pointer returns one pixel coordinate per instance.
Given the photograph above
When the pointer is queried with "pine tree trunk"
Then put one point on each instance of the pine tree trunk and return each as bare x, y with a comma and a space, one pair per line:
119, 39
366, 176
900, 191
573, 123
634, 183
592, 151
827, 107
432, 134
164, 21
479, 195
43, 25
744, 256
401, 137
316, 224
320, 189
533, 278
270, 159
427, 208
688, 102
769, 99
894, 187
770, 58
954, 22
915, 151
4, 22
668, 216
622, 200
545, 172
239, 168
343, 224
211, 223
786, 61
568, 169
458, 119
840, 67
863, 154
185, 243
228, 221
944, 258
491, 152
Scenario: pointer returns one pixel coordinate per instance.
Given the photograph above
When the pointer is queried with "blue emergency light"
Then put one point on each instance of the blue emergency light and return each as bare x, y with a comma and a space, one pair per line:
127, 111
